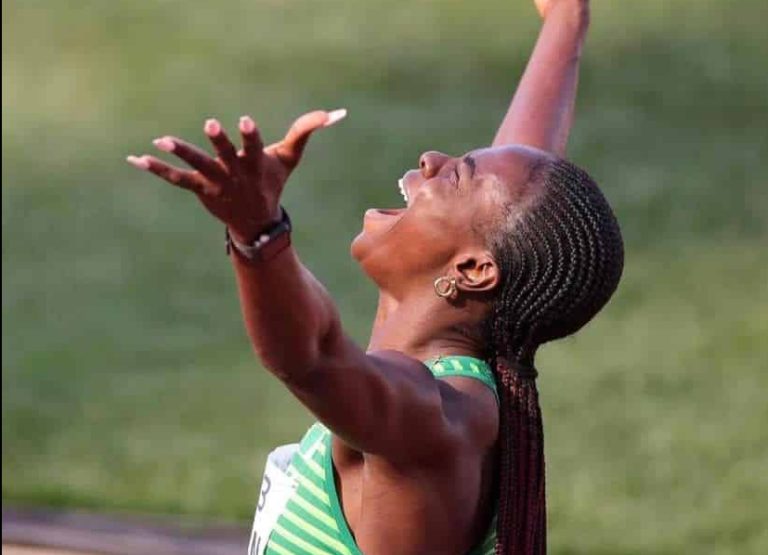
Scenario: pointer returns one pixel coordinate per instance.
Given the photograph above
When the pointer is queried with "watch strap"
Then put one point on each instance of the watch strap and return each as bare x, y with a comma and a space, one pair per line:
267, 244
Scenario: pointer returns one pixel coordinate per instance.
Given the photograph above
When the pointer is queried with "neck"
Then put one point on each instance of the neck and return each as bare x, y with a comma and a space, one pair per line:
423, 328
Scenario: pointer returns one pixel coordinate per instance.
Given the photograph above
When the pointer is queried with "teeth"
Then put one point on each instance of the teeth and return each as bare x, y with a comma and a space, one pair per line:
401, 186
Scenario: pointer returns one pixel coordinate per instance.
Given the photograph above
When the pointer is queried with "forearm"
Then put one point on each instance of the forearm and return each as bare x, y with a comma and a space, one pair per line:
541, 112
287, 313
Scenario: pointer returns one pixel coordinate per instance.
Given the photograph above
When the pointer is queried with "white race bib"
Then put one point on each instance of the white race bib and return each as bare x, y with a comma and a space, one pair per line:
276, 488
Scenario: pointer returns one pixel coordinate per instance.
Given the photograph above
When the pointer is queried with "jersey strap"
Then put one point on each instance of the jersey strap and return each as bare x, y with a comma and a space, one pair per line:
465, 367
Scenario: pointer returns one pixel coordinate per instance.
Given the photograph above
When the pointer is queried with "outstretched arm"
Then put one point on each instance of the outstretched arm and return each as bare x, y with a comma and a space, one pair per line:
541, 112
291, 320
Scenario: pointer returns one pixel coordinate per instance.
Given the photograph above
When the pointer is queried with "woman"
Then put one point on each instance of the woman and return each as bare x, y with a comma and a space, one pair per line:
430, 441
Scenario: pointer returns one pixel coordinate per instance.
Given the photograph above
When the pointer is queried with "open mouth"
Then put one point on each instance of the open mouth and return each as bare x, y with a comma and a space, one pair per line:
387, 216
391, 212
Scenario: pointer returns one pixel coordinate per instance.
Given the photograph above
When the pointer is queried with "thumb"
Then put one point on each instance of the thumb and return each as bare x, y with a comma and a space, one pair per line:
290, 149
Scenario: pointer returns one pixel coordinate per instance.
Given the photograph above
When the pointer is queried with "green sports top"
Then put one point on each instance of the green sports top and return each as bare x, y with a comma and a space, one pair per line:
311, 521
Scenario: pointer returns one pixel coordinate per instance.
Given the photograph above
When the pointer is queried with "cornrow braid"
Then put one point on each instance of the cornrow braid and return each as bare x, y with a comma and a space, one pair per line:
560, 259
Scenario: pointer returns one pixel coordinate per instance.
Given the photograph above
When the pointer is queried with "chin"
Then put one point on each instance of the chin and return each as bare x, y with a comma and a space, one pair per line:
373, 257
357, 247
372, 237
365, 247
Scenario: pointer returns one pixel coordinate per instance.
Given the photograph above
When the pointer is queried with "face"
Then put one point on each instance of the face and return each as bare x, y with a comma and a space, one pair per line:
448, 201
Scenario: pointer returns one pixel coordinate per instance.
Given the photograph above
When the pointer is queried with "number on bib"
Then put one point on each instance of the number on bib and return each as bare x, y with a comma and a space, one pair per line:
277, 487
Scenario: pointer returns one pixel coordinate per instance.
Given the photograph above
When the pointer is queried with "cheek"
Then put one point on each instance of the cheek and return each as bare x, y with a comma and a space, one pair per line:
421, 247
411, 248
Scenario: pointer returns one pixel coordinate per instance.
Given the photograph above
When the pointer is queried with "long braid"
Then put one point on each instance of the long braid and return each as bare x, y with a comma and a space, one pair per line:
560, 259
522, 516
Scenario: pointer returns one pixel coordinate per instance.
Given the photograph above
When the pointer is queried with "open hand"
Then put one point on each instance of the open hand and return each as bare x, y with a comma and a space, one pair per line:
241, 188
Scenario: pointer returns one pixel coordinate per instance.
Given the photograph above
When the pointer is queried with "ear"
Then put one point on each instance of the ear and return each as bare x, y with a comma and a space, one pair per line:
476, 272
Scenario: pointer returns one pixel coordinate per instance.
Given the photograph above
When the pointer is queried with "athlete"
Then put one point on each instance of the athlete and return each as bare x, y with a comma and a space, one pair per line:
430, 440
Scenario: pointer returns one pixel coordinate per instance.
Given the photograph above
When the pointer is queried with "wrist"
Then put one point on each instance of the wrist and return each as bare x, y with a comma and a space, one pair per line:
249, 231
269, 242
576, 14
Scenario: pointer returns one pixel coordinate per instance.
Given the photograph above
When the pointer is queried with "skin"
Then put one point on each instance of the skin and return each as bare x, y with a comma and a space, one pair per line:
414, 456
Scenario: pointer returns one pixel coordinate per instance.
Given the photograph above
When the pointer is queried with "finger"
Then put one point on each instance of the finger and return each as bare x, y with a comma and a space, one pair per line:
222, 145
175, 176
290, 149
252, 144
192, 155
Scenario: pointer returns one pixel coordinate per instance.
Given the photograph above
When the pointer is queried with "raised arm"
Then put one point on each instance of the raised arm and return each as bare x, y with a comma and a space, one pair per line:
290, 318
541, 112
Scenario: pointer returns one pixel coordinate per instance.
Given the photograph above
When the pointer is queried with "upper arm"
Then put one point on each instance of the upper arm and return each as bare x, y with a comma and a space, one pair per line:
391, 405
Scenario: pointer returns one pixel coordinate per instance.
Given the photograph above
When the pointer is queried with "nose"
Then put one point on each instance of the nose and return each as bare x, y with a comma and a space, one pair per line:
431, 162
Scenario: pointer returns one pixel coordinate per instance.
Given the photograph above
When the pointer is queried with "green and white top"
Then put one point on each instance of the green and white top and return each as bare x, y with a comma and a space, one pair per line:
298, 512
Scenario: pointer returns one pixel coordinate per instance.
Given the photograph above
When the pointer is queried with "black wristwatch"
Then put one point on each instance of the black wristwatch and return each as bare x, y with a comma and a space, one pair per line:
267, 245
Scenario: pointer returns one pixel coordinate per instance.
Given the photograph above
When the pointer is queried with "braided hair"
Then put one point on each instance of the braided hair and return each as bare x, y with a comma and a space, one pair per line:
560, 257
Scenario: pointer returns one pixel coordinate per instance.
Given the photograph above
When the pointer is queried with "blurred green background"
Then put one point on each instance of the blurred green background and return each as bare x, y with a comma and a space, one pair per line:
127, 380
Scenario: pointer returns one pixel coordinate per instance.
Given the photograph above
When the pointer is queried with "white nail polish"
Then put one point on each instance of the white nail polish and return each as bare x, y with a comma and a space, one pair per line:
212, 127
138, 162
165, 144
335, 116
247, 125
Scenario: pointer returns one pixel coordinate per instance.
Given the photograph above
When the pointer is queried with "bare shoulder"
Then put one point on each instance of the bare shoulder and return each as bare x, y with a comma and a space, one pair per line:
396, 409
471, 406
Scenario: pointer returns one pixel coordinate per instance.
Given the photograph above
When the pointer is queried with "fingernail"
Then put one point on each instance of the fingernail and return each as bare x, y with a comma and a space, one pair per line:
212, 127
138, 162
335, 116
165, 144
247, 125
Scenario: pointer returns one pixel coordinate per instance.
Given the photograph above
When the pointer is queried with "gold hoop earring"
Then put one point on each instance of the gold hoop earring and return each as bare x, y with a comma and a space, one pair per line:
445, 287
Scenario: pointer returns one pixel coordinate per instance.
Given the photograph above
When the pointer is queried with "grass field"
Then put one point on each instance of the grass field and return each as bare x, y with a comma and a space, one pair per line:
127, 381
